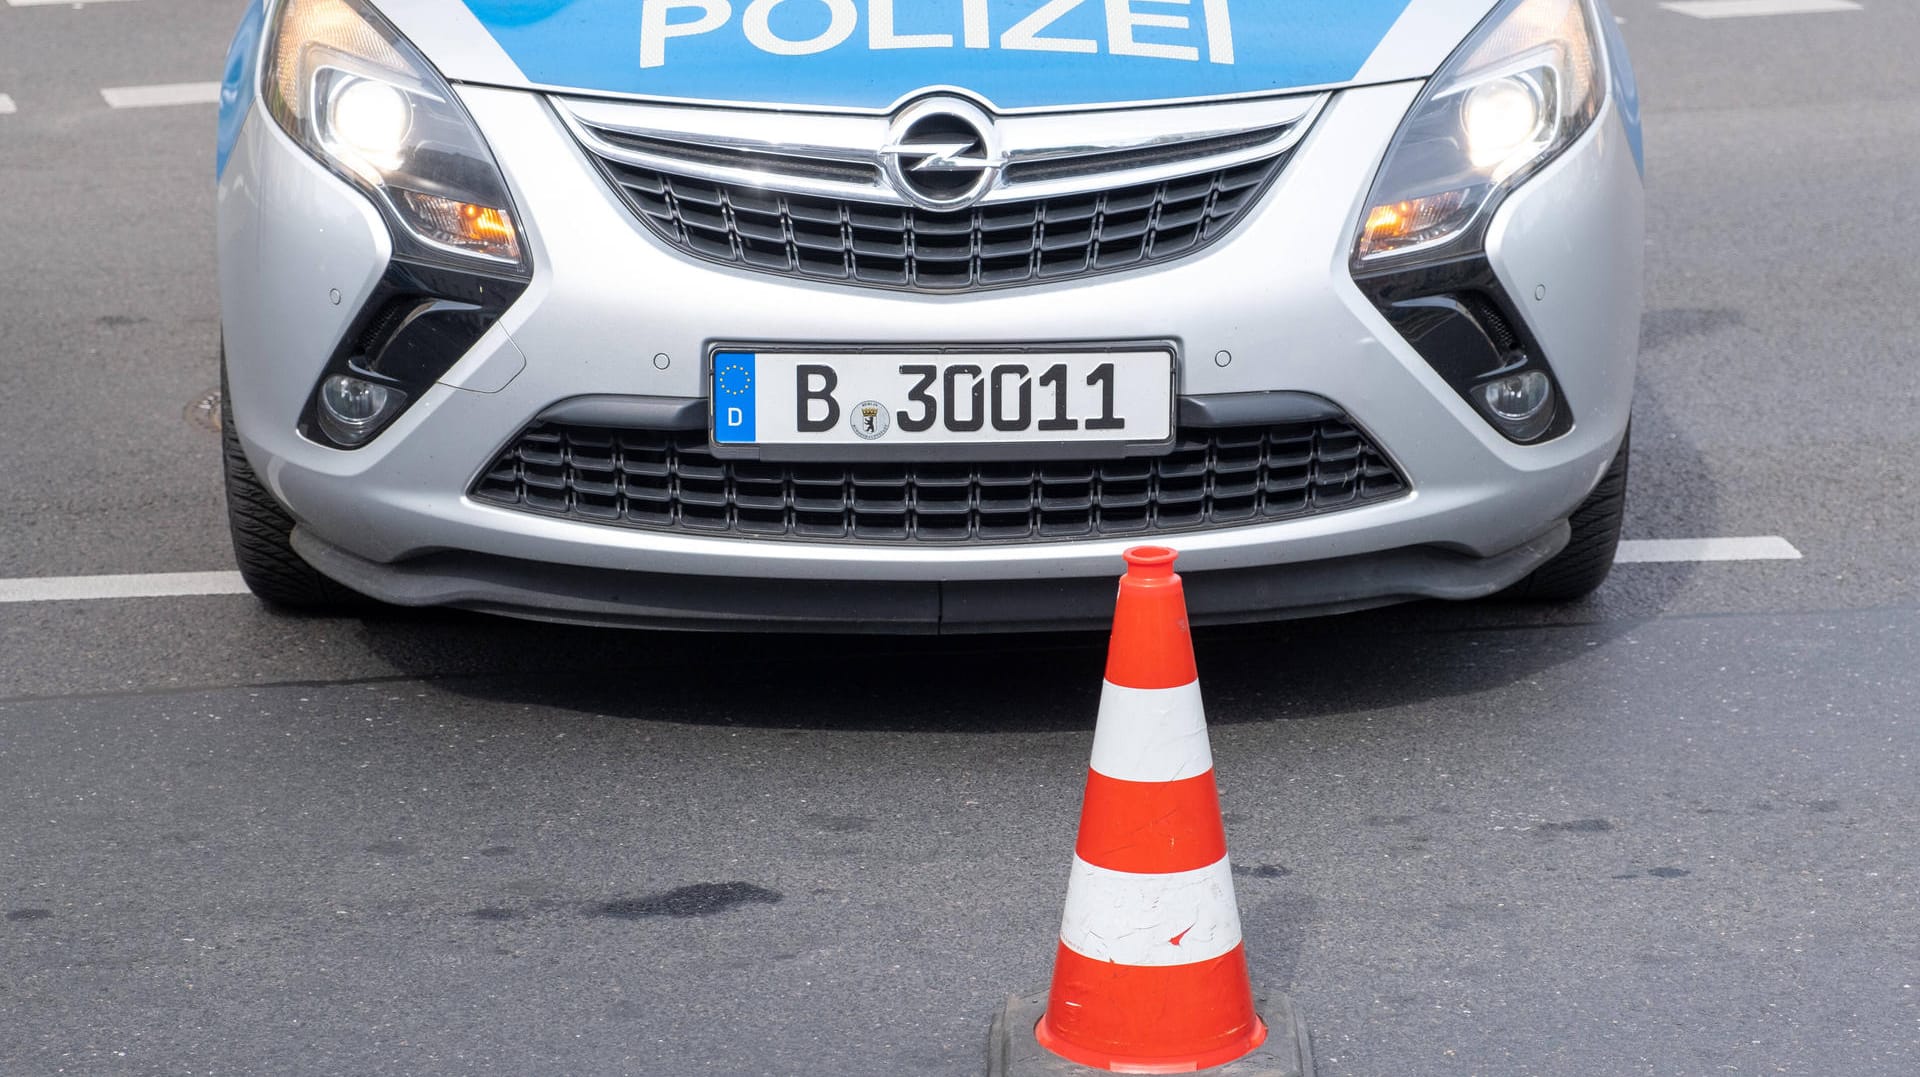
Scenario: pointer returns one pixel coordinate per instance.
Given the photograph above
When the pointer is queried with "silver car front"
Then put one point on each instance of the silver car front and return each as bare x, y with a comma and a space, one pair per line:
1395, 311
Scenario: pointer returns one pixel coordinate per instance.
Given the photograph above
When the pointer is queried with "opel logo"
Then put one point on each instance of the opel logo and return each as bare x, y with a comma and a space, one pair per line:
942, 154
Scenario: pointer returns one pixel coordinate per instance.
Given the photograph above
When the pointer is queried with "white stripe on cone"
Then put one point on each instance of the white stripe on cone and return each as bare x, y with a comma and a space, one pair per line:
1151, 920
1151, 734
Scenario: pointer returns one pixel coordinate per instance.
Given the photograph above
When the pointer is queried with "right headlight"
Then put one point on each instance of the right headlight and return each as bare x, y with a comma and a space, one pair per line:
350, 89
1518, 92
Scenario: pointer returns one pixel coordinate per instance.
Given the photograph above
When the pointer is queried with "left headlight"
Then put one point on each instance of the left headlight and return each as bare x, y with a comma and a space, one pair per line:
1520, 90
350, 89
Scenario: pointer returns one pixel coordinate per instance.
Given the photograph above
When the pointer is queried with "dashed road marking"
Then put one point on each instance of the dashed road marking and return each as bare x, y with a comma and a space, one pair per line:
6, 105
176, 93
1741, 9
1656, 551
151, 585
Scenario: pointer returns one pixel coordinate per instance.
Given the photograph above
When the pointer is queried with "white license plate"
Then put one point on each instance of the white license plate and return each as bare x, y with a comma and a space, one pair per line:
915, 398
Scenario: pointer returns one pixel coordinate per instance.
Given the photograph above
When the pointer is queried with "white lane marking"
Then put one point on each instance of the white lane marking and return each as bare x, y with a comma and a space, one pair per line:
1742, 9
1151, 734
6, 105
1178, 919
177, 93
1655, 551
154, 585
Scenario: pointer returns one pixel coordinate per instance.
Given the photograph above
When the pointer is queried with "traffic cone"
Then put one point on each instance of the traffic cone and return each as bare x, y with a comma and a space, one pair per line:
1151, 973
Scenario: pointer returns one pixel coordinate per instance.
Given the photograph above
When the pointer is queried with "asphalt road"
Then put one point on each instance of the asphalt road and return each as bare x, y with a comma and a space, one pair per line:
1668, 831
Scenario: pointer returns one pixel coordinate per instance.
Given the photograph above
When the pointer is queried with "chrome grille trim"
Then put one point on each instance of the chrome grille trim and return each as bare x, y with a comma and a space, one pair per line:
807, 196
745, 147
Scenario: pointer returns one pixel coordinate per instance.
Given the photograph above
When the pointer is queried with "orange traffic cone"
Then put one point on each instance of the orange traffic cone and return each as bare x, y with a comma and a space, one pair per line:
1151, 974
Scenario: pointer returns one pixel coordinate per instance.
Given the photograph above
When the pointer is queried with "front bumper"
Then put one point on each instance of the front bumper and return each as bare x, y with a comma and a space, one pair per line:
612, 312
565, 593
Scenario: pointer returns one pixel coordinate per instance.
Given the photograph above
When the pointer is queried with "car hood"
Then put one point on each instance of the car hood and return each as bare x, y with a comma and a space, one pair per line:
870, 55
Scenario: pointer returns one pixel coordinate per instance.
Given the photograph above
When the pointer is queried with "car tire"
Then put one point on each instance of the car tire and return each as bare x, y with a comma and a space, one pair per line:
1582, 567
262, 531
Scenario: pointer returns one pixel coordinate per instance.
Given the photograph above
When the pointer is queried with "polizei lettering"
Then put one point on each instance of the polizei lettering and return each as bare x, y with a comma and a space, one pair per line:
1182, 30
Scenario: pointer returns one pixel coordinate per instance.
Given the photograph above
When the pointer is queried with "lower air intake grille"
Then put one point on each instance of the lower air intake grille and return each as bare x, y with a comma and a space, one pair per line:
669, 481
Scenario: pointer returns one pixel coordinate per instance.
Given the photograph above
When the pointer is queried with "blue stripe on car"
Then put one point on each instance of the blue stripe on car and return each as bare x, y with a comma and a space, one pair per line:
236, 87
1626, 90
1026, 54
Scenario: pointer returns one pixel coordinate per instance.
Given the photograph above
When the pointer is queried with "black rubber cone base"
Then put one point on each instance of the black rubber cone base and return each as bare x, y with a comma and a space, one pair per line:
1012, 1050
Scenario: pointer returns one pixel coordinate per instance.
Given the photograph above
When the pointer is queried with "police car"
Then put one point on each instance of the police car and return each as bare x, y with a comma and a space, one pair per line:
910, 315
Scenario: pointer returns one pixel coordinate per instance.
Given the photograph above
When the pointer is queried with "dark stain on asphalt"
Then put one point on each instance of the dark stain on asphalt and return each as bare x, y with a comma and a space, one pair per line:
494, 913
840, 824
1823, 805
21, 915
1576, 826
687, 902
118, 321
498, 850
390, 848
1668, 873
1677, 323
1262, 871
1389, 820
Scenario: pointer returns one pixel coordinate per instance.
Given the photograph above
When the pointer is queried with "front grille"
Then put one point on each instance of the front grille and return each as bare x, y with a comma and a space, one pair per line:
670, 481
988, 246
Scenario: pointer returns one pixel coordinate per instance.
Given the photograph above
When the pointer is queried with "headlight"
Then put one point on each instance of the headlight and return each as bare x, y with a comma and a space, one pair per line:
1521, 89
351, 90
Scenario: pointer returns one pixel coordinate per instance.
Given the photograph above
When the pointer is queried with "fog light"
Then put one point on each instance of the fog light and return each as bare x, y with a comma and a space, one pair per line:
354, 409
1521, 403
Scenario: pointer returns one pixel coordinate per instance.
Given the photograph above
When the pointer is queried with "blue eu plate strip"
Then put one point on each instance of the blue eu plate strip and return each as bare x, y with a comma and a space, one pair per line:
734, 419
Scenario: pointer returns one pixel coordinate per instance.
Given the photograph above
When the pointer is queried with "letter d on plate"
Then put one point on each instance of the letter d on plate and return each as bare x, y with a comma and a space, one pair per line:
734, 390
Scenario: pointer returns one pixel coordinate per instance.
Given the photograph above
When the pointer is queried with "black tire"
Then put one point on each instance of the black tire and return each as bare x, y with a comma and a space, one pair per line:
262, 531
1582, 567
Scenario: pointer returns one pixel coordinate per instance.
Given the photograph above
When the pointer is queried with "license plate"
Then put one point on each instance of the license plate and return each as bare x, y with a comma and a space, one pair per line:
903, 399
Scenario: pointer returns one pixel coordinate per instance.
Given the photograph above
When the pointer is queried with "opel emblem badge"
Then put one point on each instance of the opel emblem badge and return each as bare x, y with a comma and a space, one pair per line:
942, 153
